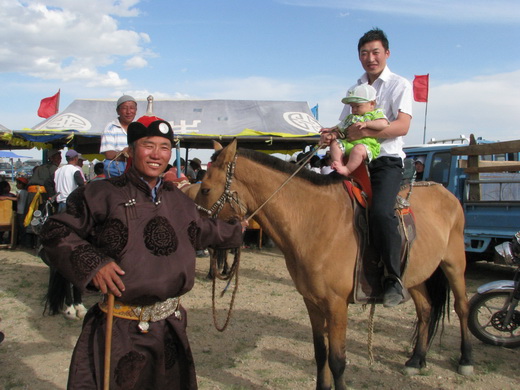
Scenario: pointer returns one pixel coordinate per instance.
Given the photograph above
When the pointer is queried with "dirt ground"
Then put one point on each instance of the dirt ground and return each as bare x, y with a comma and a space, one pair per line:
267, 345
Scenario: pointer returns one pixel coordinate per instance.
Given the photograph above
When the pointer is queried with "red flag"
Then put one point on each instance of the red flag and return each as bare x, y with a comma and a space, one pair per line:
420, 88
49, 106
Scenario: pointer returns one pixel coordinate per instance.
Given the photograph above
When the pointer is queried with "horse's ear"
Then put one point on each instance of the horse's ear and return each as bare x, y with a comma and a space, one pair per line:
228, 153
217, 146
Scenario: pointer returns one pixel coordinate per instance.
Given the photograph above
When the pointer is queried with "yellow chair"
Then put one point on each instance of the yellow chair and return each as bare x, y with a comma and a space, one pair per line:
8, 221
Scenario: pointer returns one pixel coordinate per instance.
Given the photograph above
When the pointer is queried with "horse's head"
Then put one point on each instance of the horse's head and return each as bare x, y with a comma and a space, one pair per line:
191, 190
216, 197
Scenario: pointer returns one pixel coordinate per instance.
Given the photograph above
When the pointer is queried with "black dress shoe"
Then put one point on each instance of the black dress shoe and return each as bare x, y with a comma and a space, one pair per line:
393, 295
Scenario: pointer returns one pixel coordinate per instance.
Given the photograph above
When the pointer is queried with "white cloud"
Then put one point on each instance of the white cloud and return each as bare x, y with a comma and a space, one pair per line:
136, 62
110, 79
69, 40
461, 11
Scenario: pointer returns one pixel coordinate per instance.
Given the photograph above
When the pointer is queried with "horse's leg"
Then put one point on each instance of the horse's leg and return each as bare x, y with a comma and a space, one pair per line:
223, 262
423, 308
212, 253
321, 344
455, 275
337, 327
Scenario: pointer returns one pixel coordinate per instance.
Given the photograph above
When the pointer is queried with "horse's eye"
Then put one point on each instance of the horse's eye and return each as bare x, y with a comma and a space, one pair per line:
205, 191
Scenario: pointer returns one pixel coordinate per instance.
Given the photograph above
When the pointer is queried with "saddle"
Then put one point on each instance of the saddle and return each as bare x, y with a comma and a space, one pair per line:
369, 271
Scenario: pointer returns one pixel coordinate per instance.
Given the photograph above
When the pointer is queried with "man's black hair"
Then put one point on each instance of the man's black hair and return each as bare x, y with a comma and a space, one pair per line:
98, 168
183, 162
375, 34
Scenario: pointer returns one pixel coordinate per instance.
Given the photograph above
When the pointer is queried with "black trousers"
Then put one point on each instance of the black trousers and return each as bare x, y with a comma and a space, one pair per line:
386, 174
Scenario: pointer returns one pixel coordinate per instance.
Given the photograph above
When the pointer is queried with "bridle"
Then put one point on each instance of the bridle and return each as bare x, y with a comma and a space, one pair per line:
228, 196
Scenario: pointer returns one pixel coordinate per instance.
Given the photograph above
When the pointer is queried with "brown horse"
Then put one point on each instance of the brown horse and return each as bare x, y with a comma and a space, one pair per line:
322, 265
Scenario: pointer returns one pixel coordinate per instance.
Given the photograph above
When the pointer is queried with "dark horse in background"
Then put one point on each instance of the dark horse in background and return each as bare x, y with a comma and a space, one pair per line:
322, 269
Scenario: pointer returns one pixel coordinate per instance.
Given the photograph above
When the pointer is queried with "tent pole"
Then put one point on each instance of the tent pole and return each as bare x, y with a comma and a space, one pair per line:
178, 158
186, 166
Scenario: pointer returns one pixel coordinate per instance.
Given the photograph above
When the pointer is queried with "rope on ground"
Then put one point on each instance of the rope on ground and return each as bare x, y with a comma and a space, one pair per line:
218, 275
371, 333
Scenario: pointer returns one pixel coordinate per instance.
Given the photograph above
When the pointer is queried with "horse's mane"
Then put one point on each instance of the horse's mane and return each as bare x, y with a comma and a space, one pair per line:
286, 167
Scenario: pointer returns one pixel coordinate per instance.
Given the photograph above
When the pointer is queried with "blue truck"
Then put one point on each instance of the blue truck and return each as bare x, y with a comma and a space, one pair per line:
485, 177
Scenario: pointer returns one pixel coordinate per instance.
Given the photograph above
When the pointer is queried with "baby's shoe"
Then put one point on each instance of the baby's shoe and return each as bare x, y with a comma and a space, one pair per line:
69, 312
80, 310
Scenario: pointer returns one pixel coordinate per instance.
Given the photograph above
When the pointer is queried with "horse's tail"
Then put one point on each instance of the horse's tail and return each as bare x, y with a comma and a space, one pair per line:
56, 292
439, 291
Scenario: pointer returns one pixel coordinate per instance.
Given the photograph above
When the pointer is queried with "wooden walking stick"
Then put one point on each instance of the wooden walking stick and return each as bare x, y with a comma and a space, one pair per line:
108, 340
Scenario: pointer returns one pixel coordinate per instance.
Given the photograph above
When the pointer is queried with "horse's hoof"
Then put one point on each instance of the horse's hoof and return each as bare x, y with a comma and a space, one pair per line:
69, 313
465, 370
411, 371
81, 310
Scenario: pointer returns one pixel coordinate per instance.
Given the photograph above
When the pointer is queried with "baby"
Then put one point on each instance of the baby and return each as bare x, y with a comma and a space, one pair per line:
362, 100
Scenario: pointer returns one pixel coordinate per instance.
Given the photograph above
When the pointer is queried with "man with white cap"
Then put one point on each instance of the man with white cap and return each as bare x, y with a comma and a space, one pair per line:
113, 140
67, 178
364, 115
419, 167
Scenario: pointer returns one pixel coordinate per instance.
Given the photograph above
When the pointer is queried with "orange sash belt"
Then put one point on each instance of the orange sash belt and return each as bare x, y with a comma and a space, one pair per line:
36, 188
35, 203
144, 314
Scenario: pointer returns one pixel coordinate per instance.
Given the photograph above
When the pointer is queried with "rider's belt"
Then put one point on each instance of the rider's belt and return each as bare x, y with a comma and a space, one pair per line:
36, 188
144, 314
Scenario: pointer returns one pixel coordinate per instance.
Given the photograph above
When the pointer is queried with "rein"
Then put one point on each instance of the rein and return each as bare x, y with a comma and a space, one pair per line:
119, 154
303, 162
217, 274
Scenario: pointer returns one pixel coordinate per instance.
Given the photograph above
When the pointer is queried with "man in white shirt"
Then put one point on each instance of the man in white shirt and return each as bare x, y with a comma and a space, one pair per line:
394, 96
67, 178
113, 140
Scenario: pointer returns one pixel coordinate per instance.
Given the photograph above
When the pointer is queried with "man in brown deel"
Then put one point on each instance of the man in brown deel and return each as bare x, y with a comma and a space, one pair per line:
135, 236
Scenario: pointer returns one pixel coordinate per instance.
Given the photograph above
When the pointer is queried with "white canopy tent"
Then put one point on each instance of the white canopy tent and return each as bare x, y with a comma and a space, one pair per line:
274, 126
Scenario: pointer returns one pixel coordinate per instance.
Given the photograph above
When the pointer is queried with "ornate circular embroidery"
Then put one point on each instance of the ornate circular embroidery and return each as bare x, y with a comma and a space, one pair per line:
84, 259
75, 204
128, 369
159, 237
53, 231
113, 237
193, 231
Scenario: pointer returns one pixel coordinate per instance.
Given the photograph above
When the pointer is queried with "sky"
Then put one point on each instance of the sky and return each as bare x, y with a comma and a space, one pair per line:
298, 50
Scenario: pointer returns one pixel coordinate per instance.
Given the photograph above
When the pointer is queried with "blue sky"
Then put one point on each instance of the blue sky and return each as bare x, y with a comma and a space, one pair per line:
302, 50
